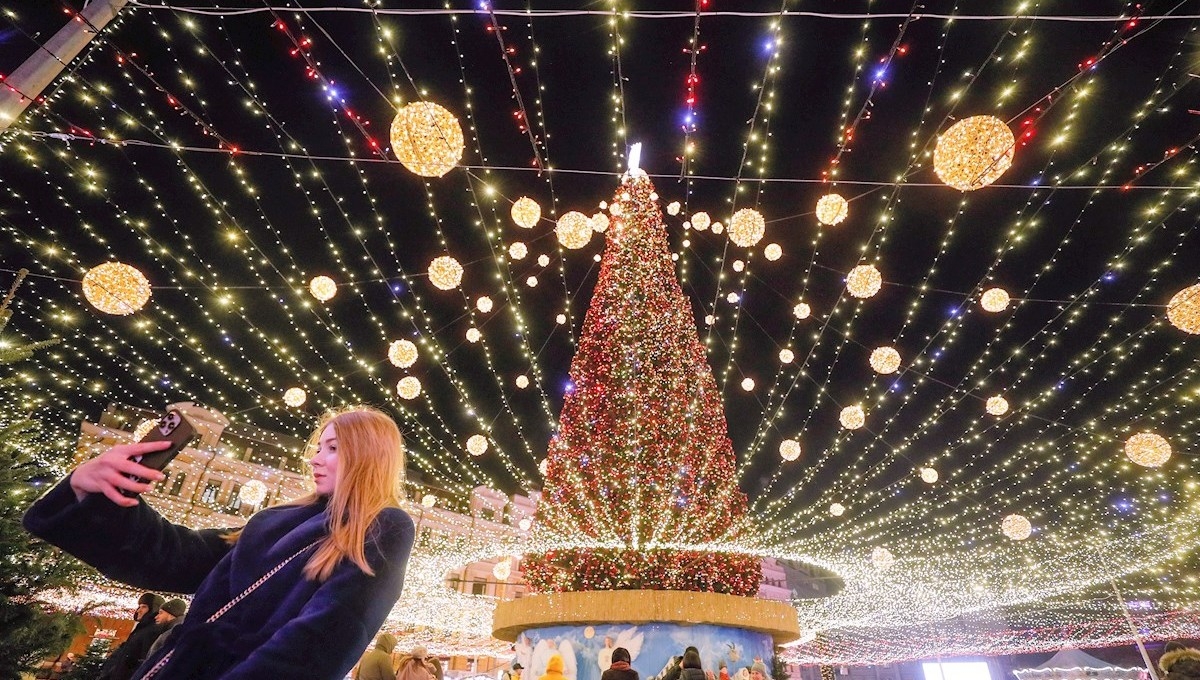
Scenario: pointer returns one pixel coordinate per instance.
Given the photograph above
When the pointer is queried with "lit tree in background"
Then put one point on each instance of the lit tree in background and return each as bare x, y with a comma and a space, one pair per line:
641, 461
28, 634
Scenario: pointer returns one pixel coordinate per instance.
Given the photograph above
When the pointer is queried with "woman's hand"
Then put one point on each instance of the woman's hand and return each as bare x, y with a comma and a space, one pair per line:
107, 473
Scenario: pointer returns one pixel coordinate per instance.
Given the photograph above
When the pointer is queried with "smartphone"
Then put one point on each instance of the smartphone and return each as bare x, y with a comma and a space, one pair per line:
173, 427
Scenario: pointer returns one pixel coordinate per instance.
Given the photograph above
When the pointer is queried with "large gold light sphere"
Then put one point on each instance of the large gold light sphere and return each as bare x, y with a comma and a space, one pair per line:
994, 300
408, 387
445, 272
574, 230
253, 492
1016, 527
837, 509
116, 288
974, 152
852, 417
1148, 449
882, 559
477, 445
832, 209
294, 396
322, 288
929, 475
801, 310
143, 428
885, 360
864, 281
996, 405
700, 221
427, 139
789, 449
526, 212
747, 227
518, 251
402, 353
1183, 311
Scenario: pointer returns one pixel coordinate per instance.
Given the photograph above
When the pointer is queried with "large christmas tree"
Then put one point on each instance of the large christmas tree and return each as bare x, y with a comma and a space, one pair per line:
642, 471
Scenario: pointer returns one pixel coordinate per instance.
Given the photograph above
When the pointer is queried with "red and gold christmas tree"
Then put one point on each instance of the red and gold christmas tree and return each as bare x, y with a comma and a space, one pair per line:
642, 464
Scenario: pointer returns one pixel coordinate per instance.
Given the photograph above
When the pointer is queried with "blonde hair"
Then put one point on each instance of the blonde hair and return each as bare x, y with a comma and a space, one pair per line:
369, 479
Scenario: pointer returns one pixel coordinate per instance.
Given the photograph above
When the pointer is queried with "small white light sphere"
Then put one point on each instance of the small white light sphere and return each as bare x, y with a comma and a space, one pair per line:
929, 475
747, 384
802, 310
402, 353
994, 300
543, 260
531, 281
428, 500
484, 304
544, 466
997, 405
717, 228
738, 265
1016, 527
599, 223
700, 221
673, 208
885, 360
477, 445
525, 523
503, 569
322, 288
518, 251
473, 335
852, 417
1183, 311
786, 356
732, 298
116, 288
574, 230
773, 251
789, 449
560, 319
837, 509
709, 319
747, 227
408, 387
294, 397
522, 381
252, 492
832, 209
882, 559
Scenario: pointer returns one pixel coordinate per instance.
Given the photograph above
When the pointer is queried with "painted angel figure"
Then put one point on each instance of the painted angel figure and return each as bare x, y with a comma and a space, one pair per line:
631, 640
542, 651
570, 664
524, 653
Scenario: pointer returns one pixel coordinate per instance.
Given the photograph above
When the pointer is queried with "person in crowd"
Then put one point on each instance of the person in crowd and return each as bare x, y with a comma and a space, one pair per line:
675, 666
376, 663
515, 672
414, 666
1179, 662
439, 673
147, 609
723, 671
690, 666
125, 659
758, 671
554, 668
168, 617
292, 594
619, 668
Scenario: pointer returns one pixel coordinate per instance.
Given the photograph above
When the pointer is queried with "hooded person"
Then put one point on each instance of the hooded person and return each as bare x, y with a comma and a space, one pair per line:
414, 666
147, 609
1179, 662
121, 664
376, 664
618, 668
554, 668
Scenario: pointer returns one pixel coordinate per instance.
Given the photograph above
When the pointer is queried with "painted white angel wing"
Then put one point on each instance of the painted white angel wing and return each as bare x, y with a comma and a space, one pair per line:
537, 662
631, 640
570, 664
524, 653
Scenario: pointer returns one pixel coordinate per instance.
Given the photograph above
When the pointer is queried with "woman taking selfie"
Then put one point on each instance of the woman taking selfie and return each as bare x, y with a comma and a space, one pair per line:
298, 592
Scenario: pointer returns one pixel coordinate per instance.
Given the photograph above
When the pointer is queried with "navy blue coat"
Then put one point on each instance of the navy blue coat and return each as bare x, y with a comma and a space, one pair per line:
290, 627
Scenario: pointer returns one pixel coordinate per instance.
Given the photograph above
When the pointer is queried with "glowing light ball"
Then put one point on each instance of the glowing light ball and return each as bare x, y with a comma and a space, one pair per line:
996, 405
747, 227
852, 417
673, 208
787, 356
294, 396
885, 360
748, 384
143, 428
929, 475
700, 221
738, 265
524, 524
864, 281
408, 387
116, 288
974, 152
709, 319
484, 304
717, 228
503, 569
882, 559
560, 319
445, 272
773, 251
732, 298
322, 288
789, 449
522, 381
1016, 527
801, 310
473, 335
994, 300
543, 260
837, 509
531, 281
544, 466
1183, 311
518, 251
1148, 449
477, 445
526, 212
402, 353
574, 230
253, 492
599, 223
427, 139
832, 209
428, 500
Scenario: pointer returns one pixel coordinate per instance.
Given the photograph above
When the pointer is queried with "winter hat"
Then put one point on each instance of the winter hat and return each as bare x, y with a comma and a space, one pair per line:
760, 667
418, 652
175, 607
151, 600
620, 654
1174, 645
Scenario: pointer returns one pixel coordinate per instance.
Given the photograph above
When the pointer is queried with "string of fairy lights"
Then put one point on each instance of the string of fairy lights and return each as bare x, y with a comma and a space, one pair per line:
1011, 436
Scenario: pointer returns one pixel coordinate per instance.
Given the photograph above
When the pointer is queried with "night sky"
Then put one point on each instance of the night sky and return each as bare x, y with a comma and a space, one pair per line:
1091, 231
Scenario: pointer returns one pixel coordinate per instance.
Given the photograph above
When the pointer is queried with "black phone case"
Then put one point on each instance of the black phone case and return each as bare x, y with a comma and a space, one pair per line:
173, 427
